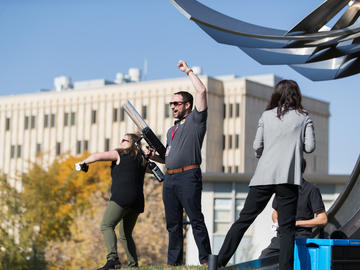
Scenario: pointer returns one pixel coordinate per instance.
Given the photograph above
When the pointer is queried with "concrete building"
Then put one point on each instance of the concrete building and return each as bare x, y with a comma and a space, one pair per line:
89, 116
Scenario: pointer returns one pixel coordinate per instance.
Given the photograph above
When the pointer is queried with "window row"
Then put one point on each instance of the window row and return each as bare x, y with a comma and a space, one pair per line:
231, 110
70, 118
230, 141
15, 150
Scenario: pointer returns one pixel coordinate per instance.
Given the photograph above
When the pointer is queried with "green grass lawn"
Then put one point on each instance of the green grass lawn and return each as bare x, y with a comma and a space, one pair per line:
162, 267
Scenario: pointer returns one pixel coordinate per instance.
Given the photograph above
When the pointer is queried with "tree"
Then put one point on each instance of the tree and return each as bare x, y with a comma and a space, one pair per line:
45, 208
86, 248
54, 220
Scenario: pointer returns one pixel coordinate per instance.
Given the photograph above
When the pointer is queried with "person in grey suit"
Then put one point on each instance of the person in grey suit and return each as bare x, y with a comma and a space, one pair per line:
284, 132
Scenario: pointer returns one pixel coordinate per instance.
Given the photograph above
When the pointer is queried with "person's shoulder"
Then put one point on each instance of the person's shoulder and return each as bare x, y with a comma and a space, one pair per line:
303, 113
196, 116
269, 113
195, 111
308, 186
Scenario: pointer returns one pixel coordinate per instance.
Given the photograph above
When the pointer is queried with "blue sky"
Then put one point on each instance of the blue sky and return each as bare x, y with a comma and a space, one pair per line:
92, 39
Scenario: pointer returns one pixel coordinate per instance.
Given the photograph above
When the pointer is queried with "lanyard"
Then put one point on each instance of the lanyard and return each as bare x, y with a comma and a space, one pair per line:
173, 131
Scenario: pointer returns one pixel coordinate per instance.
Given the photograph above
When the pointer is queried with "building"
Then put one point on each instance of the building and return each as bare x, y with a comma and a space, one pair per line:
89, 116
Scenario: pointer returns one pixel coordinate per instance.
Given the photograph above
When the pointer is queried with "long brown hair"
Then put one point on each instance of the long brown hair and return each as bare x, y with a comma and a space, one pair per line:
135, 148
286, 96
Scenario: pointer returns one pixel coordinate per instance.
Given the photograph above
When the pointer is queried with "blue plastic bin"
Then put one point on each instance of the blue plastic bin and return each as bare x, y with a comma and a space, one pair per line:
327, 254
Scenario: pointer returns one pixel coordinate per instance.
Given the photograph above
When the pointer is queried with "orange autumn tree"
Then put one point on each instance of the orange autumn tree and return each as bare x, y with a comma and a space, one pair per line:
52, 196
44, 208
58, 215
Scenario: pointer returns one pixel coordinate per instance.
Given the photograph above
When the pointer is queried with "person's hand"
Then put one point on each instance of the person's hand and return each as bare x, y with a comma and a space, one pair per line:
81, 166
183, 66
149, 151
275, 226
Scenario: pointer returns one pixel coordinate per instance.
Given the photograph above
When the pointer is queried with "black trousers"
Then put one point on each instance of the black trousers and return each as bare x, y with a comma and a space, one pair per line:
255, 203
183, 191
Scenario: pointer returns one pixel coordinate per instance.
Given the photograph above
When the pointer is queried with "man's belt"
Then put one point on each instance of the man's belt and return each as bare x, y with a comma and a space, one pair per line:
186, 168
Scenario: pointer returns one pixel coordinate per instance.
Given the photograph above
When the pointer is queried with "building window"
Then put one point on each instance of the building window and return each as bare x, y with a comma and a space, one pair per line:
115, 115
58, 148
237, 109
228, 201
167, 110
224, 141
46, 120
78, 147
230, 142
26, 122
93, 117
18, 151
224, 111
33, 121
12, 151
107, 144
38, 148
86, 145
7, 124
15, 151
223, 169
122, 114
66, 119
236, 169
229, 169
230, 110
237, 139
144, 111
222, 215
52, 122
73, 119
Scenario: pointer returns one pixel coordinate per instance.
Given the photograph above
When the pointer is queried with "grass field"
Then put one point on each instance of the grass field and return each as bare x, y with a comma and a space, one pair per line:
162, 267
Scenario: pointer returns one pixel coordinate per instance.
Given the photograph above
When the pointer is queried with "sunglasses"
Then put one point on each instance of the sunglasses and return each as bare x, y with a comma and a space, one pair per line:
176, 103
124, 140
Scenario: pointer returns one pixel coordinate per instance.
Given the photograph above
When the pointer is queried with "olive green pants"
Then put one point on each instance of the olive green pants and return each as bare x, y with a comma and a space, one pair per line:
126, 218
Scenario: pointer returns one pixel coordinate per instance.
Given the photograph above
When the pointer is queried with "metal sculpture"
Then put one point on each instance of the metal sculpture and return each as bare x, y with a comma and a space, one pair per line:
311, 48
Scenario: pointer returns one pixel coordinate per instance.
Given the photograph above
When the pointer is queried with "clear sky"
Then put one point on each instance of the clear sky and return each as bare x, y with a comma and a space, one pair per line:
92, 39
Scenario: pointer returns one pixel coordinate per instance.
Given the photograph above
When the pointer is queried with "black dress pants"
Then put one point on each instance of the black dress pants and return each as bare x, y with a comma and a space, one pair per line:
183, 191
255, 203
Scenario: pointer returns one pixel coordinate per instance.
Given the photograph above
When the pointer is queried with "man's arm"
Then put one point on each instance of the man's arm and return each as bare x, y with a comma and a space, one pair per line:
320, 220
151, 153
200, 96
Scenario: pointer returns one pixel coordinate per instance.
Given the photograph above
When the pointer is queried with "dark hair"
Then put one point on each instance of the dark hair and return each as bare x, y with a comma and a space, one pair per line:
286, 96
187, 97
303, 165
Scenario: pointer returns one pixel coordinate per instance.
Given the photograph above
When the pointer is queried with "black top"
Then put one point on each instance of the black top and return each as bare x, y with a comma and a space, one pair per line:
309, 203
127, 183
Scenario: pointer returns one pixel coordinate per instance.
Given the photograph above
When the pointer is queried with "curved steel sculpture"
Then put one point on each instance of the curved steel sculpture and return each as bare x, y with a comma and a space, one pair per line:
311, 48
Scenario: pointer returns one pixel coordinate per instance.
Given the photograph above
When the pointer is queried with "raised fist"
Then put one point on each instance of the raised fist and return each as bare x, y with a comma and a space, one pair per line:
183, 66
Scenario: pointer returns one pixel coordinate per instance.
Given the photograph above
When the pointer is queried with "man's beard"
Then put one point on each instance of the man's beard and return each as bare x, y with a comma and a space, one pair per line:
180, 115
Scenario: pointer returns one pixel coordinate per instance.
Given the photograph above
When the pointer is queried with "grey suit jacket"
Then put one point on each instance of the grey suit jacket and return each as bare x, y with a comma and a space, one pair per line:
280, 143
